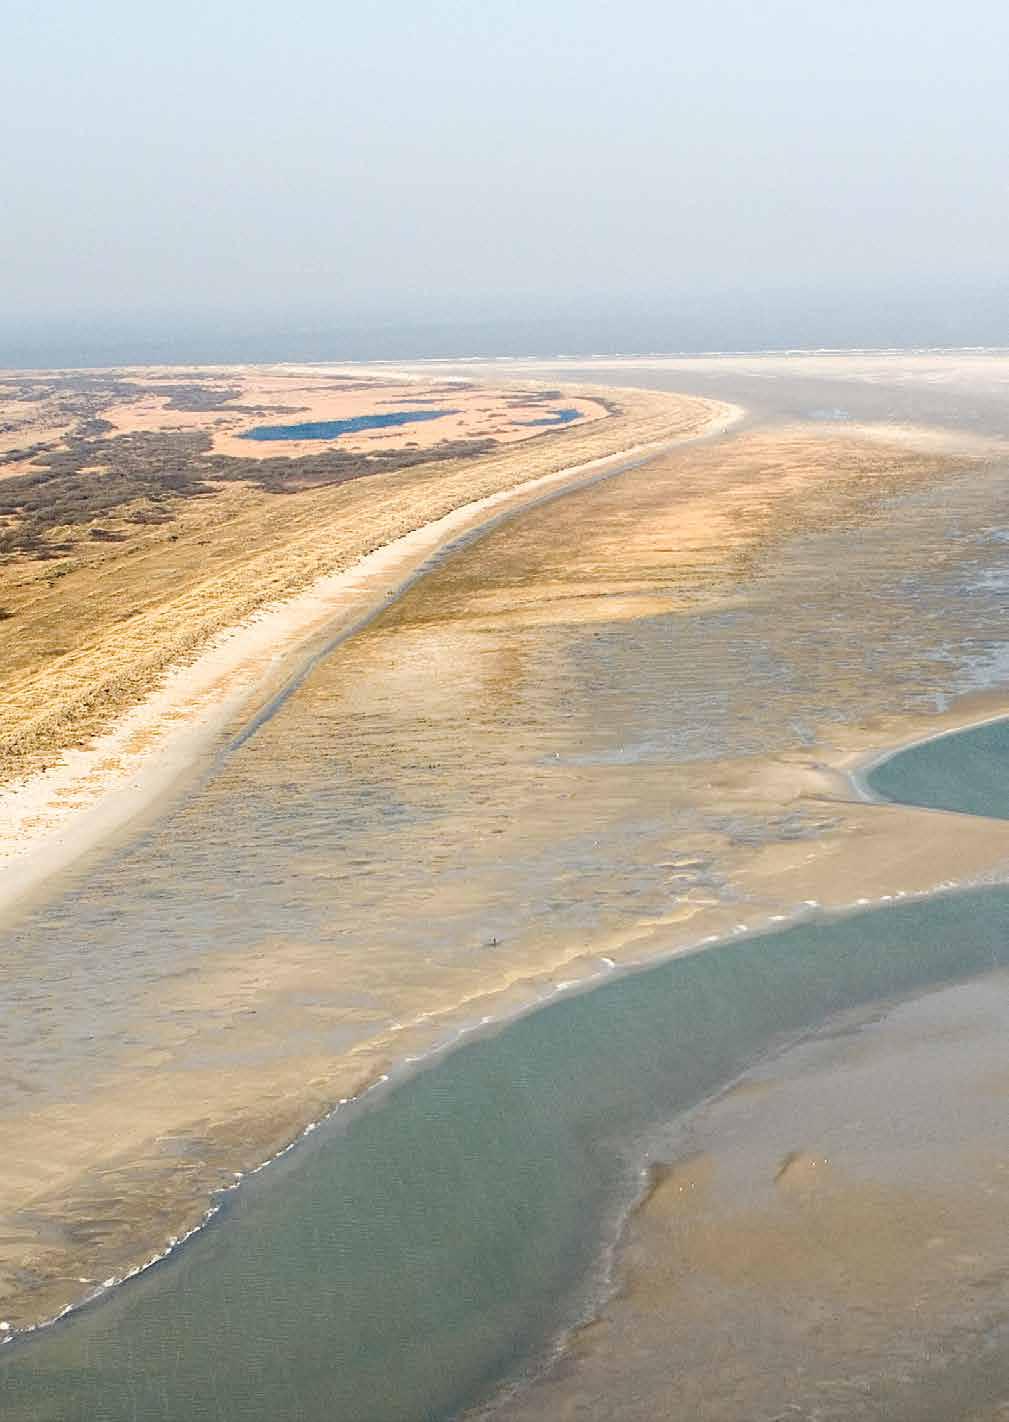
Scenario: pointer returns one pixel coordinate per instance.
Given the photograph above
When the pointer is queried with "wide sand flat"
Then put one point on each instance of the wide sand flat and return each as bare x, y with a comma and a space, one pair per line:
204, 664
464, 806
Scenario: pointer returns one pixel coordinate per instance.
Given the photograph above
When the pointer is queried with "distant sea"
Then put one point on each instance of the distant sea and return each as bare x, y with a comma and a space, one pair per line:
722, 321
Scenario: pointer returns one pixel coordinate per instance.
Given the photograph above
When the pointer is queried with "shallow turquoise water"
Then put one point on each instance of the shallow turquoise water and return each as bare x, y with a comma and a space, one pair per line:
332, 429
968, 772
555, 417
408, 1258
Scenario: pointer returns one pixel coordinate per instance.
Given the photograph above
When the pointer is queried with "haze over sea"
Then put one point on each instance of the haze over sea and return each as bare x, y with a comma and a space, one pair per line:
893, 317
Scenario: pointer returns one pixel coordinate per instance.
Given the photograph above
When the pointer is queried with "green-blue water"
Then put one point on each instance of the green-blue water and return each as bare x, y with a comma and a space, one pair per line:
408, 1259
968, 771
555, 417
333, 429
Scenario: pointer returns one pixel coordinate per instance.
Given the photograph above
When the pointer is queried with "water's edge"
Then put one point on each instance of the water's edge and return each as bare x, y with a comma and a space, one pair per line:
592, 1071
209, 745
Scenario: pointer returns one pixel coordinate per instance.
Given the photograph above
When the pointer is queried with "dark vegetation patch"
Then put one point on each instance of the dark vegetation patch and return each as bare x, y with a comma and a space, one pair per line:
29, 451
64, 490
401, 400
547, 397
82, 481
145, 516
196, 398
154, 470
409, 399
82, 397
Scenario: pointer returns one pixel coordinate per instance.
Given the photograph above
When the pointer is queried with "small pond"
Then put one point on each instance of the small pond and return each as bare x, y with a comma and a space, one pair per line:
333, 429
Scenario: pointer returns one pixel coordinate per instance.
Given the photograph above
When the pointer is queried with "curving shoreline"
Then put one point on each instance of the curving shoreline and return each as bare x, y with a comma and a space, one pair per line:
677, 1167
255, 1116
60, 814
491, 1042
402, 1070
867, 858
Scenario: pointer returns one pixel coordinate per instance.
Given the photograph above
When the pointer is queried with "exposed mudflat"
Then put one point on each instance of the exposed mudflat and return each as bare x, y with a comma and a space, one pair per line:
826, 1239
136, 522
610, 729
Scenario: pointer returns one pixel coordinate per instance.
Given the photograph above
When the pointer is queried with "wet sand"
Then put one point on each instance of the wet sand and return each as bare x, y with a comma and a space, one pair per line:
167, 545
612, 729
438, 1238
95, 789
824, 1239
953, 393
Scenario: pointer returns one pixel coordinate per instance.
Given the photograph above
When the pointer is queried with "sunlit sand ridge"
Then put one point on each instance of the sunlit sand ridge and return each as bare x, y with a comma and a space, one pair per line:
128, 540
57, 814
170, 632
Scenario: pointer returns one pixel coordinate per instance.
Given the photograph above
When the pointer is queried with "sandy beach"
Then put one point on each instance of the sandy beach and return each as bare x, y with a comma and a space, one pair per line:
58, 814
125, 549
481, 795
208, 680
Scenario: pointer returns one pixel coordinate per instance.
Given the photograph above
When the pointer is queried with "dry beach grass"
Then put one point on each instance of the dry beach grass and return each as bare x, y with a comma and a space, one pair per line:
89, 629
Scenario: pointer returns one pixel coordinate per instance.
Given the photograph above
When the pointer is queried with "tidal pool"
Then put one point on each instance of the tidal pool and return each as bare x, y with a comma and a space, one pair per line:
333, 429
967, 772
555, 417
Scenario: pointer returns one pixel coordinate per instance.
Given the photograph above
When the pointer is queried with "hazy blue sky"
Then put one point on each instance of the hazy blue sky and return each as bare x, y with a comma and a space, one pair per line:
444, 158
